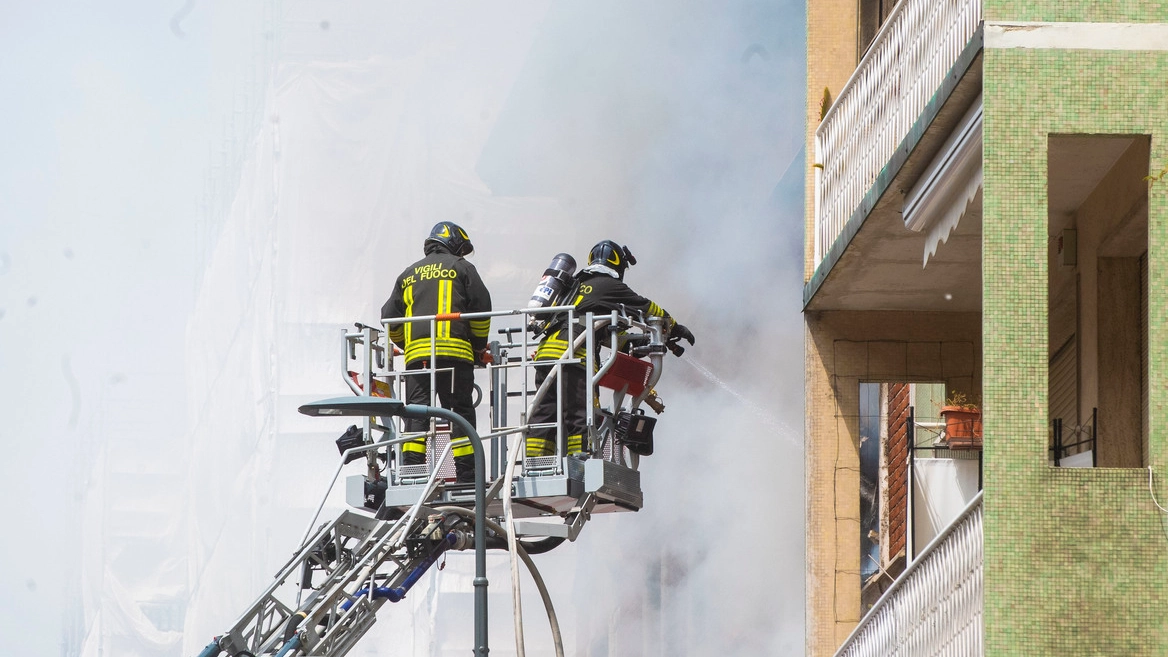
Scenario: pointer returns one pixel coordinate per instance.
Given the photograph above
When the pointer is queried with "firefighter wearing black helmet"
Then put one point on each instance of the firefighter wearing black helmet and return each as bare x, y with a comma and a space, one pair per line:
599, 289
443, 282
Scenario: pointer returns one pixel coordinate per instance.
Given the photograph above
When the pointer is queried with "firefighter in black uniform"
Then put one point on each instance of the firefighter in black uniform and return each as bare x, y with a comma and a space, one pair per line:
441, 283
600, 289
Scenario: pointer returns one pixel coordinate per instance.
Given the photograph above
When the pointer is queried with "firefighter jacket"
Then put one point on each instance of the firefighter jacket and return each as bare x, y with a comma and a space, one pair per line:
440, 283
601, 293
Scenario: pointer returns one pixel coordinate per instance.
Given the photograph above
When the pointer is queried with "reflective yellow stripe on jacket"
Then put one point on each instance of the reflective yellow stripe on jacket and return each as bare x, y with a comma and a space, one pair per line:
555, 345
408, 298
443, 344
481, 328
448, 347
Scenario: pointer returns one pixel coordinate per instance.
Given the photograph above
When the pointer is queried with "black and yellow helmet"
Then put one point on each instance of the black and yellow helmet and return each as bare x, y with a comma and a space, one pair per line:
451, 236
613, 255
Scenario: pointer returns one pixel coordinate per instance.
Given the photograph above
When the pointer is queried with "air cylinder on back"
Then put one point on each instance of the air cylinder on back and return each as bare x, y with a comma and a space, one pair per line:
556, 279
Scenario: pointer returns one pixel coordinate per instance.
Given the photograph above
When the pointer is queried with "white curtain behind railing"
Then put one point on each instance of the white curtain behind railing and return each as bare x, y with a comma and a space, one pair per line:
934, 609
874, 111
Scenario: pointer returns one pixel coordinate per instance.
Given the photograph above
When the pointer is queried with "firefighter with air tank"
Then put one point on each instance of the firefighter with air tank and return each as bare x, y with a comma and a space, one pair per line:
599, 288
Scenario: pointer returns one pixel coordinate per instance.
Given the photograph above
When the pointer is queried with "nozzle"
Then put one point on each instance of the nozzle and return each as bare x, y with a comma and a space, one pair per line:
654, 402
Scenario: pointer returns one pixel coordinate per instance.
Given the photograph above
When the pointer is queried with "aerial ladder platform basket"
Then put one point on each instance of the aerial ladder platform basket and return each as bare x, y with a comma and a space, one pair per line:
406, 517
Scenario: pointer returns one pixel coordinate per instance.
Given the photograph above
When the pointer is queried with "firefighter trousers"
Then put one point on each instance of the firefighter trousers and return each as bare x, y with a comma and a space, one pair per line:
542, 441
454, 385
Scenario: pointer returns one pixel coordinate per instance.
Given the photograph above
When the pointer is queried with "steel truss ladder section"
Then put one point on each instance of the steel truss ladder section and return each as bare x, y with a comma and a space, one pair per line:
307, 608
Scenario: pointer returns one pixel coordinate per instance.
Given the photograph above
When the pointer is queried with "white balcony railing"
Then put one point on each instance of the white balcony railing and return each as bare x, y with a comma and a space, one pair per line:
902, 70
934, 609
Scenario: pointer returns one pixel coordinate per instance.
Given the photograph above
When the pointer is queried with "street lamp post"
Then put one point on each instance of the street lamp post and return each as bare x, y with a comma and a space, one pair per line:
376, 406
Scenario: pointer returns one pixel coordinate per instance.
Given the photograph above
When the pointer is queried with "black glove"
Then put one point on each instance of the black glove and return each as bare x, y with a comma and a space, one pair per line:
680, 332
677, 334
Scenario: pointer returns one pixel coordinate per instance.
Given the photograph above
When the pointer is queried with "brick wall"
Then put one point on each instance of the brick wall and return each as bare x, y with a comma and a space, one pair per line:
896, 458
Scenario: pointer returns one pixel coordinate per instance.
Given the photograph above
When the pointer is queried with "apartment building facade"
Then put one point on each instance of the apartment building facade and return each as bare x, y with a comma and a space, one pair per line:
987, 227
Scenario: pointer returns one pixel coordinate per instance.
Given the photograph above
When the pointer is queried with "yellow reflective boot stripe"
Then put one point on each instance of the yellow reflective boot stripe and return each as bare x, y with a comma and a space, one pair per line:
575, 444
462, 450
418, 445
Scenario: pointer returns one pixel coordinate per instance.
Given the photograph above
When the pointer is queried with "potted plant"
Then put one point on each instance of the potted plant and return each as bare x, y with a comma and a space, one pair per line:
962, 422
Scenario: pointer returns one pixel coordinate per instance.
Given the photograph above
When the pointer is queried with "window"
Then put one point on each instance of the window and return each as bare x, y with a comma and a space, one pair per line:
1097, 299
872, 14
912, 483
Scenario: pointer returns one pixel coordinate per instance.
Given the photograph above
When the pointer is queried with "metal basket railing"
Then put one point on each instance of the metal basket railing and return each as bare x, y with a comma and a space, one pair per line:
373, 363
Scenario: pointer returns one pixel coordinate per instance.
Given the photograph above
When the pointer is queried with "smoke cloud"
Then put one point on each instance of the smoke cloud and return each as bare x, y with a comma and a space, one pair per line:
675, 129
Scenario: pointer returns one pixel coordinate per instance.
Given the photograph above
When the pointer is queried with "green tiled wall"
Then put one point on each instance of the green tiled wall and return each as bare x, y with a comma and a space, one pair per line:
1076, 559
1098, 11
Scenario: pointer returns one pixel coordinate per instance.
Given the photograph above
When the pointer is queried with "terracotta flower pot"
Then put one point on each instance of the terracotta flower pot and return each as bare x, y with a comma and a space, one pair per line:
962, 427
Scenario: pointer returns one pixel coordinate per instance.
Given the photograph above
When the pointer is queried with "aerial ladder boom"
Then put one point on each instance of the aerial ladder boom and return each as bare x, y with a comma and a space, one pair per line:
406, 517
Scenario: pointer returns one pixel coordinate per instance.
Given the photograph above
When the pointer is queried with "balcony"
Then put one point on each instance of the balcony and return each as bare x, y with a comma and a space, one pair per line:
935, 606
896, 113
